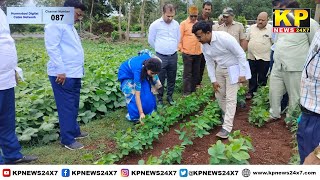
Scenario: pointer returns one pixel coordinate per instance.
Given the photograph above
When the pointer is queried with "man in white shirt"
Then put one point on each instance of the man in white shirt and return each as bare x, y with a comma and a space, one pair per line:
65, 70
164, 37
9, 143
221, 48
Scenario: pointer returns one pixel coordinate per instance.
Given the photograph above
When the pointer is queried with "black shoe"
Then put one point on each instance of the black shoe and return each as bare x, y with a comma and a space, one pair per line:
242, 105
160, 103
74, 146
223, 134
170, 101
24, 159
82, 135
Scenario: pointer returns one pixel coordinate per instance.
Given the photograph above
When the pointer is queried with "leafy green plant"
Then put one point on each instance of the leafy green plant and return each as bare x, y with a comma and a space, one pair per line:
234, 152
115, 35
241, 95
259, 112
200, 124
291, 118
291, 121
170, 156
152, 160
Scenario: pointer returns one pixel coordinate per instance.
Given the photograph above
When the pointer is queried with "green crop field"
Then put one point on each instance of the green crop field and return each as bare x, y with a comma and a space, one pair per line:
101, 100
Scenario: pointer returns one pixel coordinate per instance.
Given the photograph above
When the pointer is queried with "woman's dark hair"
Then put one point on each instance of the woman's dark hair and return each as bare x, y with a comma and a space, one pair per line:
152, 64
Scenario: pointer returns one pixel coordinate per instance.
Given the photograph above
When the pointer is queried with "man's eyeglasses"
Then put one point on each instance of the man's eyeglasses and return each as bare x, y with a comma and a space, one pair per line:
193, 16
225, 17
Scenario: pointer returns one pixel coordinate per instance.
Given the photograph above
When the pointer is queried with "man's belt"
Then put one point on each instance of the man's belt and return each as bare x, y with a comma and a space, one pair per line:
306, 111
167, 55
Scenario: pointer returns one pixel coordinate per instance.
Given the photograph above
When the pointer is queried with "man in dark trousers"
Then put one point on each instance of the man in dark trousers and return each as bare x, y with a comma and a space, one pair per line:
308, 134
164, 37
205, 16
65, 70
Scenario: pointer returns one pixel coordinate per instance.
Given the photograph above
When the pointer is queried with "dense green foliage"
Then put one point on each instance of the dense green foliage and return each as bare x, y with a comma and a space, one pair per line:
100, 93
259, 112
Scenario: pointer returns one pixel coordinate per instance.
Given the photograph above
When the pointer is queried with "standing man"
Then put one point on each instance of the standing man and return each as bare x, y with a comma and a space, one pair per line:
220, 48
308, 134
164, 37
205, 16
290, 52
9, 144
232, 27
191, 52
65, 70
259, 44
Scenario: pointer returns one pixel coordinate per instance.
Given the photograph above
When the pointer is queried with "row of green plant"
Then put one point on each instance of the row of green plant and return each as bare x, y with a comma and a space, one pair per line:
259, 112
168, 157
142, 136
197, 127
292, 124
241, 95
235, 151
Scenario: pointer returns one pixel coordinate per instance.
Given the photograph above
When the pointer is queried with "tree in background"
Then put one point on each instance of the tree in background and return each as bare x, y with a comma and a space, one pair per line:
247, 8
49, 3
9, 3
308, 4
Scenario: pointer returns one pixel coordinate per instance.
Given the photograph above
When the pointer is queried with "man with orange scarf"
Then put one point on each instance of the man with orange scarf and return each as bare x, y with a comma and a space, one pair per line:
191, 52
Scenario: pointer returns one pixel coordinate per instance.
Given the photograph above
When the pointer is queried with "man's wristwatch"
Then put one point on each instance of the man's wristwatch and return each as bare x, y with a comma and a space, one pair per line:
317, 152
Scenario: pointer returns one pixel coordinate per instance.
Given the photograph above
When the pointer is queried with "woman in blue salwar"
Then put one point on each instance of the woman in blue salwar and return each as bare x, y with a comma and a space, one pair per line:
139, 83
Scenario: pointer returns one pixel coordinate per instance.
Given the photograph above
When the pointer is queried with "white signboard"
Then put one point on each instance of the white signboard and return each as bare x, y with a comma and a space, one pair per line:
40, 15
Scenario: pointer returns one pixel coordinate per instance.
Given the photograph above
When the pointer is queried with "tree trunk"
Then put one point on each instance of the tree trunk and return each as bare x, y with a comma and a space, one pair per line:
91, 18
317, 14
129, 21
119, 21
142, 15
161, 6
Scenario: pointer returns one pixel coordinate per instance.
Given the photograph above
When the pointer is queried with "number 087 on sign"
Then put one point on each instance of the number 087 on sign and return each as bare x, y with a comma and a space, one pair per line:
63, 15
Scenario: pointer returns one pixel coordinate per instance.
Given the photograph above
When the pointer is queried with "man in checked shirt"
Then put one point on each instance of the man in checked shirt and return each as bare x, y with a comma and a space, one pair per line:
308, 134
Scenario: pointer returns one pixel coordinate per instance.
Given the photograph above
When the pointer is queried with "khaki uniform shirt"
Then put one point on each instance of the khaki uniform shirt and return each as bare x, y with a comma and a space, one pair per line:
215, 27
236, 30
260, 42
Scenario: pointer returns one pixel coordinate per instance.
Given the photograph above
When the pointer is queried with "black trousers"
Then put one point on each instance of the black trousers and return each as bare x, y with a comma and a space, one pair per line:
191, 72
168, 72
259, 69
202, 66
